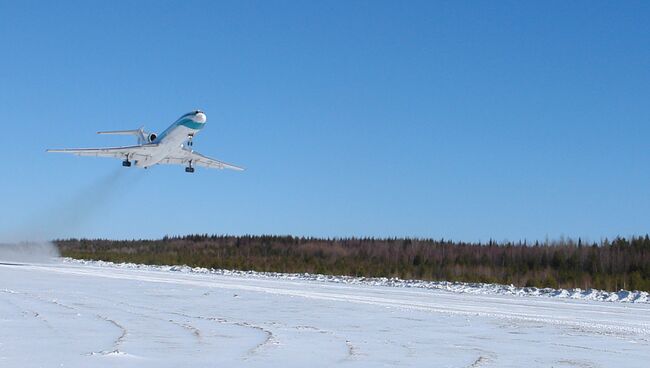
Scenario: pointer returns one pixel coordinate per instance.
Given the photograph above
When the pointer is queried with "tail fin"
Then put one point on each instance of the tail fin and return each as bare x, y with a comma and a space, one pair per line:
140, 133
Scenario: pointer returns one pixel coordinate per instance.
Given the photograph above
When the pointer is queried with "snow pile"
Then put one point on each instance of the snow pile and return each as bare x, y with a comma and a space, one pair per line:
456, 287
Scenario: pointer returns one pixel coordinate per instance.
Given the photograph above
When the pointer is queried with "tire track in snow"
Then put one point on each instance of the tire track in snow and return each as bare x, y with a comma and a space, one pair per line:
353, 351
269, 336
269, 340
116, 343
479, 362
484, 356
28, 311
194, 331
577, 363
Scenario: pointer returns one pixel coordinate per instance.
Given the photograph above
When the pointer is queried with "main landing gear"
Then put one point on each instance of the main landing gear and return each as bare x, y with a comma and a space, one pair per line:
189, 140
189, 168
126, 162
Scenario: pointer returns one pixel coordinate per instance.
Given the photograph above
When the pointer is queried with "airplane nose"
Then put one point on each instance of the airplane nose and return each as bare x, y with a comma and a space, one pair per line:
200, 117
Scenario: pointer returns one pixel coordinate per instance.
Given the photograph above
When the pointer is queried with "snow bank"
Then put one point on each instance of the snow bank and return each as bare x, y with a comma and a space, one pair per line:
623, 296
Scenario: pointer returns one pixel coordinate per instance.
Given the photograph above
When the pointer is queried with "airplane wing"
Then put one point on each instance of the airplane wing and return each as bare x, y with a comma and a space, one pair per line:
197, 159
134, 152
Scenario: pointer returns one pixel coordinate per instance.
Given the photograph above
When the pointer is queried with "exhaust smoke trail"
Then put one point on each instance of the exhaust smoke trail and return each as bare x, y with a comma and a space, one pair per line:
30, 242
72, 213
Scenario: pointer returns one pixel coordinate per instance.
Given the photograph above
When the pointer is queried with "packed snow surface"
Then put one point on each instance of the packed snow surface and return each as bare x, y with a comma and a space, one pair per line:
83, 314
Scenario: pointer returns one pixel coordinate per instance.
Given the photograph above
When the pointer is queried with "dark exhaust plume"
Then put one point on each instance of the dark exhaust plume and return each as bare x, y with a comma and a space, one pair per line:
30, 242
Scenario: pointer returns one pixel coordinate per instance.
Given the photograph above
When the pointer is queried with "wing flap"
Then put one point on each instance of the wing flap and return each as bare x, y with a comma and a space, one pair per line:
118, 152
198, 159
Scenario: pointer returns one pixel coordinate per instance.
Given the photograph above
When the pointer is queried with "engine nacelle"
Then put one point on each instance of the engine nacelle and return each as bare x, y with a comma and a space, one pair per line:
152, 137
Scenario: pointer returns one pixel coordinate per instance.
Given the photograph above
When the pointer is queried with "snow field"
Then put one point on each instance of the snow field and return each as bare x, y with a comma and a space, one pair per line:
79, 314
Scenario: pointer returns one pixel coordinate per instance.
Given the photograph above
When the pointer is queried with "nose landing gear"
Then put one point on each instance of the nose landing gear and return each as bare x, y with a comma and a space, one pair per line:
126, 163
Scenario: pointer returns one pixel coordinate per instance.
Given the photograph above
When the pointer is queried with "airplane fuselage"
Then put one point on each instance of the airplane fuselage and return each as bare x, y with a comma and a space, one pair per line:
174, 137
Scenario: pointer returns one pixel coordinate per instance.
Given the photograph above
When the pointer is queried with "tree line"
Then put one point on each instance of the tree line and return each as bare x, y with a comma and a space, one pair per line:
622, 263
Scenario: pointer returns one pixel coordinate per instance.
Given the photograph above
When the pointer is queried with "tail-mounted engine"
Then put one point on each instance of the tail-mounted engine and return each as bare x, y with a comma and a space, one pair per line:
152, 137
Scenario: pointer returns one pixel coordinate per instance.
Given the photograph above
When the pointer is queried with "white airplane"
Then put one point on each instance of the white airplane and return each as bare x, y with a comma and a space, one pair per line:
173, 146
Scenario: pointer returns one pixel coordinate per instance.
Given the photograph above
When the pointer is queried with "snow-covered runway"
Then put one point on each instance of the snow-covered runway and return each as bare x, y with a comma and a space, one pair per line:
74, 315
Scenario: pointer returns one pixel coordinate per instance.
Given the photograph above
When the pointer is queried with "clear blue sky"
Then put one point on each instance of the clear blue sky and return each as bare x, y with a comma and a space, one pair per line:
463, 120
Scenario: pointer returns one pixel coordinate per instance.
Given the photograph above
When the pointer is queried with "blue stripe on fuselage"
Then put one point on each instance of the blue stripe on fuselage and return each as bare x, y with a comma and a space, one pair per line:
190, 123
184, 121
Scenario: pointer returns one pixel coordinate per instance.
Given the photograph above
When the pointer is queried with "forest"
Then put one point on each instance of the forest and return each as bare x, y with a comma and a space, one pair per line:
620, 263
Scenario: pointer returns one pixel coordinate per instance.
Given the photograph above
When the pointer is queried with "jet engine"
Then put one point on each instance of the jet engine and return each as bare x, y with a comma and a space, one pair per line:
152, 137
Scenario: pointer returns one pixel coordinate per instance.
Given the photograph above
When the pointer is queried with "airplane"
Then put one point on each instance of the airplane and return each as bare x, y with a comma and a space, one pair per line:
173, 146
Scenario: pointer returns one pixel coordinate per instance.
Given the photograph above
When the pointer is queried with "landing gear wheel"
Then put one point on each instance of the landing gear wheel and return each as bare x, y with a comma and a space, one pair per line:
189, 168
126, 163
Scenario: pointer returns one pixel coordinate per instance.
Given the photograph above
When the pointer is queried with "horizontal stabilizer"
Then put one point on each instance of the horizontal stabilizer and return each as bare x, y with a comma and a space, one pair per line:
123, 132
